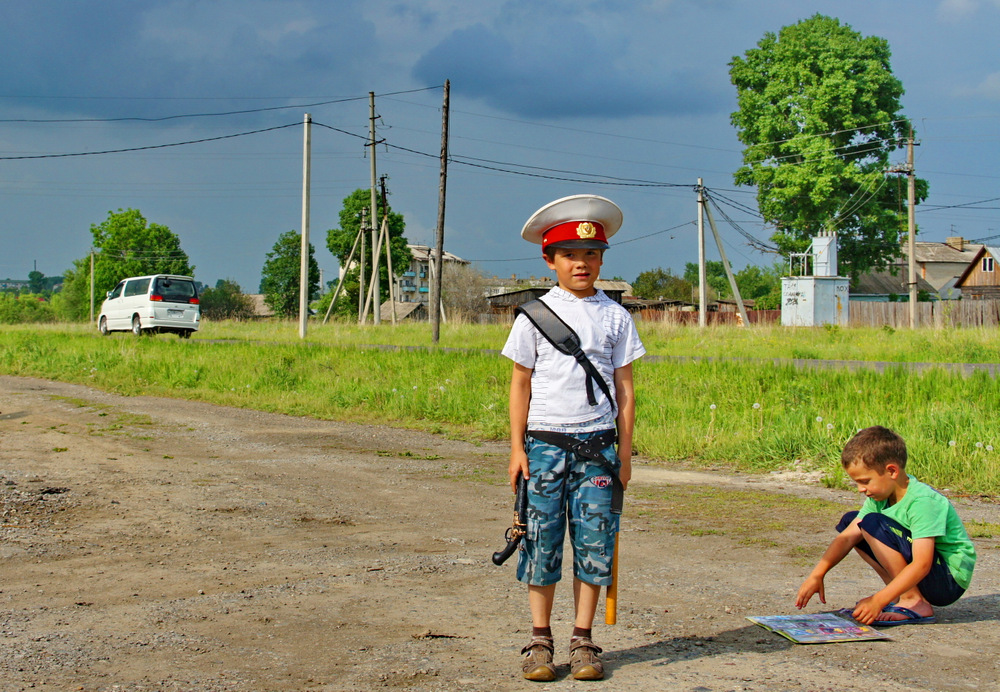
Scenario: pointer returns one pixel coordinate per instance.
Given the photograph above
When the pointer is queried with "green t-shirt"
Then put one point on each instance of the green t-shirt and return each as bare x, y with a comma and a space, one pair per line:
929, 514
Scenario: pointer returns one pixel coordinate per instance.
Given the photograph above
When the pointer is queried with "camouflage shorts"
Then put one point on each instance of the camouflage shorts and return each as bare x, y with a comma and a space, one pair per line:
563, 488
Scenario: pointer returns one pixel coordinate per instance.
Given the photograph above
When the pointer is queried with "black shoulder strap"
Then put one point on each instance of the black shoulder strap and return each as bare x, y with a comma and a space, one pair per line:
565, 340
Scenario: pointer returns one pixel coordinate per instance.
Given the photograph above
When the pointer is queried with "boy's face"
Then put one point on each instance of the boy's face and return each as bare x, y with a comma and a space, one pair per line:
576, 269
874, 484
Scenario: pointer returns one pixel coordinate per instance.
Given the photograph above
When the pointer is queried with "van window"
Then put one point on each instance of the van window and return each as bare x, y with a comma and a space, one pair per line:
136, 288
117, 291
175, 290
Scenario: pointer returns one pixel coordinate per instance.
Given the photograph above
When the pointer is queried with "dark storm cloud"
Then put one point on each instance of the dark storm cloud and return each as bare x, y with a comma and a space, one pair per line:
572, 73
56, 53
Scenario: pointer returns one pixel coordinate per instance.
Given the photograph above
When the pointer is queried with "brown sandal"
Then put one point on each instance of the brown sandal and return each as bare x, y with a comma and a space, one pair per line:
584, 659
537, 664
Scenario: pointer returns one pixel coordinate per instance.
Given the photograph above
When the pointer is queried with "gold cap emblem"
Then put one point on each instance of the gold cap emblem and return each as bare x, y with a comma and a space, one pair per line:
586, 230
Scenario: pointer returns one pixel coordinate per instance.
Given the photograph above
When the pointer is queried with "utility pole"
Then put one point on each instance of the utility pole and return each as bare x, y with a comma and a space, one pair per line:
911, 201
388, 248
375, 276
438, 258
702, 278
745, 321
304, 259
362, 229
91, 285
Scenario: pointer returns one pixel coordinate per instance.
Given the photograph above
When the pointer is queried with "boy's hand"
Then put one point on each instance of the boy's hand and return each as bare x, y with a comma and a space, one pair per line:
518, 467
812, 585
625, 470
867, 609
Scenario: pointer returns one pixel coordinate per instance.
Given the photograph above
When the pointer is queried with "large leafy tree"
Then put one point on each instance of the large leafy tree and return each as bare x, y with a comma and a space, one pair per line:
819, 113
715, 277
226, 302
661, 284
280, 277
341, 240
125, 245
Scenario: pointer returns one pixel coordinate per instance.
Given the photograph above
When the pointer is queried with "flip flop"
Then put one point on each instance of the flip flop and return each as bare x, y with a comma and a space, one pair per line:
911, 618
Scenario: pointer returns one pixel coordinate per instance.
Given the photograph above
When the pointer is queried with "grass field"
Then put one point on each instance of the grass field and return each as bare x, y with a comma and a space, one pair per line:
735, 414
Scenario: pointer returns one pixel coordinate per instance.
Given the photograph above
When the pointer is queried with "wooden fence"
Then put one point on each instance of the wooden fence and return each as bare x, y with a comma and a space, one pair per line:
937, 314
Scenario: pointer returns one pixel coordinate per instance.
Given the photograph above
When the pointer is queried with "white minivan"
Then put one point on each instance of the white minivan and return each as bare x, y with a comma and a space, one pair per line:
152, 304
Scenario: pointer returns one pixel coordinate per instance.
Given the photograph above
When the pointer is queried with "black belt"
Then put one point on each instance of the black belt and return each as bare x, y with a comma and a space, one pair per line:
590, 448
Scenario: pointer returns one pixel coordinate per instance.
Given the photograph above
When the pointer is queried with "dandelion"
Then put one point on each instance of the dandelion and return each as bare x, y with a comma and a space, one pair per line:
952, 443
819, 419
979, 445
989, 448
712, 407
756, 405
829, 426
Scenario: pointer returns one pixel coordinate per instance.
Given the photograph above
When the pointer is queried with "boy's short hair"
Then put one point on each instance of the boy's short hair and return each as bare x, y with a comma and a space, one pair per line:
875, 447
550, 250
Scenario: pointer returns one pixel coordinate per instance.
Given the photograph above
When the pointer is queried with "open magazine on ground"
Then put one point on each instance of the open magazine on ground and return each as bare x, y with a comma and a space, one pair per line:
817, 628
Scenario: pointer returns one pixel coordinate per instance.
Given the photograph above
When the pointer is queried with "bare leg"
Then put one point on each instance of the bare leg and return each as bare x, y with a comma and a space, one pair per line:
892, 563
585, 598
540, 600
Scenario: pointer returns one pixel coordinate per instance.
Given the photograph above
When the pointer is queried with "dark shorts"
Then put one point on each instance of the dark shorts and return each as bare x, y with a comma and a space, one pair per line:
565, 489
938, 587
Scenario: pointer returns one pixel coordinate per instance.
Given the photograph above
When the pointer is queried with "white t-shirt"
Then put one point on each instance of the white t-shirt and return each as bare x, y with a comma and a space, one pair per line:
558, 382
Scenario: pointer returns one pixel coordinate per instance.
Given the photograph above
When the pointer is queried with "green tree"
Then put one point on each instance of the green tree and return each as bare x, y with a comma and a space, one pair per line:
761, 285
280, 276
819, 113
661, 284
226, 302
715, 277
341, 240
125, 245
36, 281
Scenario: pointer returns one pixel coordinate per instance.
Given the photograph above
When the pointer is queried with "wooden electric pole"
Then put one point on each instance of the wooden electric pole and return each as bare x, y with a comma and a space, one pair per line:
304, 259
375, 226
438, 257
702, 274
911, 242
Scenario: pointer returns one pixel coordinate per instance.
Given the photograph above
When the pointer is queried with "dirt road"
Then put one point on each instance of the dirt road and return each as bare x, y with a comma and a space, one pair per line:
155, 544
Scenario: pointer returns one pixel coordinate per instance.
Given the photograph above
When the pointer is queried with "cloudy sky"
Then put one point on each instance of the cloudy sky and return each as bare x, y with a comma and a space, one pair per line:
628, 99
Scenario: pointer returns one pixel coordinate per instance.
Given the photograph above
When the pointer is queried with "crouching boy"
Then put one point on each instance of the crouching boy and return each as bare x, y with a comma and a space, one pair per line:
564, 415
908, 532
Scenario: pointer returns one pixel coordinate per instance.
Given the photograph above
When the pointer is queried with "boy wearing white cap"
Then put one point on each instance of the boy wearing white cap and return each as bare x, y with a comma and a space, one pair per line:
563, 435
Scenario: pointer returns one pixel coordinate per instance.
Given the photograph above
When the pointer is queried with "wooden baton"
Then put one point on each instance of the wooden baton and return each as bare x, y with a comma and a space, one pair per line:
611, 600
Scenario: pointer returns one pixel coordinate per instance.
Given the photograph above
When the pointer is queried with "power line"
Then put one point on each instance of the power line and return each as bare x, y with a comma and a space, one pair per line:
299, 106
147, 147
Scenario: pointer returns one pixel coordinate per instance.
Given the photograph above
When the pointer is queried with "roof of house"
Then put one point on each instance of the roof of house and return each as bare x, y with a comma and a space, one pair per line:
993, 250
423, 253
879, 283
260, 308
925, 251
403, 311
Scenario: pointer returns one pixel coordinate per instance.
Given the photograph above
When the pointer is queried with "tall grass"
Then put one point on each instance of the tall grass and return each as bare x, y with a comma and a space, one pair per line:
744, 415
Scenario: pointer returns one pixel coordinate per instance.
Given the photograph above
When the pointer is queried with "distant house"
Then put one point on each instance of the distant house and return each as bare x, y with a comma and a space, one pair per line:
883, 286
260, 308
981, 278
414, 284
940, 264
404, 311
504, 303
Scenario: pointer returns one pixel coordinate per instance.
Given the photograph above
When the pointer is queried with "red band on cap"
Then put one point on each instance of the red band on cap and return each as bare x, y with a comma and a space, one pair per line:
574, 230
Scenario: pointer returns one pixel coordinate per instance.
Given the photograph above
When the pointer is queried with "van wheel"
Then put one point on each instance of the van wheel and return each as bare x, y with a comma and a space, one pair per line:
103, 326
136, 326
